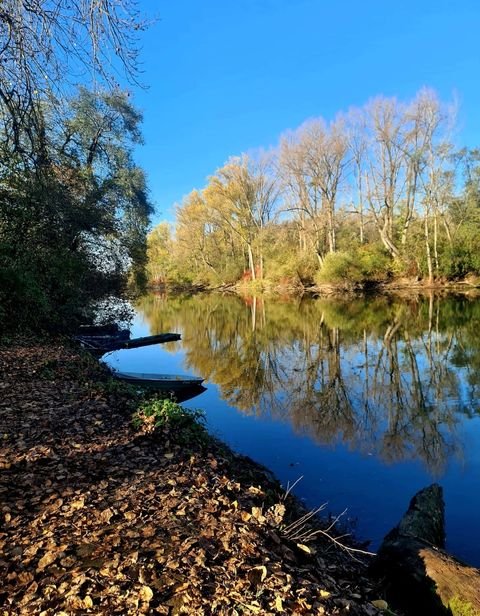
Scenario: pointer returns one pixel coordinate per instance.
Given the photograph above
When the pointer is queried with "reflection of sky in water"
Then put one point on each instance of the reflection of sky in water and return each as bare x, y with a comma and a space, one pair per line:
347, 474
155, 358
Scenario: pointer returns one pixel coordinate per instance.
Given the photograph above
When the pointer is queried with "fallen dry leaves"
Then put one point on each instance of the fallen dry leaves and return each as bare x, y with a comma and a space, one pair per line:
96, 518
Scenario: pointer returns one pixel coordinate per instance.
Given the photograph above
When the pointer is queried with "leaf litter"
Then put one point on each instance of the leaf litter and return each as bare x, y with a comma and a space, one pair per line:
97, 517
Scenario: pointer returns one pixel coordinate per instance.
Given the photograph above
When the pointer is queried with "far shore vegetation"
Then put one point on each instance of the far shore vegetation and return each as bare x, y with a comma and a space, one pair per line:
379, 194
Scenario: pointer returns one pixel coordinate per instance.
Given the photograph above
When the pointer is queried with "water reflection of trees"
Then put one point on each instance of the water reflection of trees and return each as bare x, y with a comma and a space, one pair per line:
386, 376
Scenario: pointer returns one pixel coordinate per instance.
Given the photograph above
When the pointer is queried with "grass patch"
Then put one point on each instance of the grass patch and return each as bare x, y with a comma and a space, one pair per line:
461, 608
185, 426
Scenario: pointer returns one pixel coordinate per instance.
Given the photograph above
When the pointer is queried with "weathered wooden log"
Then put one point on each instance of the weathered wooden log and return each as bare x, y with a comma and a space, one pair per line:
418, 576
136, 343
98, 345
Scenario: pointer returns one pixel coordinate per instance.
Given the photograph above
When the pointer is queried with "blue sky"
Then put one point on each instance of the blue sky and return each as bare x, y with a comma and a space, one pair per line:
227, 77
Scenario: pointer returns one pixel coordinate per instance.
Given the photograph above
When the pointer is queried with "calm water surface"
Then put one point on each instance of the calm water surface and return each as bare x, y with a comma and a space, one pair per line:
367, 400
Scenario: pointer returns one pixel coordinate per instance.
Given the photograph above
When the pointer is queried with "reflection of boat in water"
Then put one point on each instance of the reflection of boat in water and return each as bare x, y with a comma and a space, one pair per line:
163, 382
188, 393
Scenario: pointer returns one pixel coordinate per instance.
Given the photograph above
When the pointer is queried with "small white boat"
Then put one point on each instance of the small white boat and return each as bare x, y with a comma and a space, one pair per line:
167, 382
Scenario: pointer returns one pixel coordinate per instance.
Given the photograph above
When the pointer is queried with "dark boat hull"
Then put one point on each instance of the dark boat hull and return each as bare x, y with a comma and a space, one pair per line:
102, 340
109, 329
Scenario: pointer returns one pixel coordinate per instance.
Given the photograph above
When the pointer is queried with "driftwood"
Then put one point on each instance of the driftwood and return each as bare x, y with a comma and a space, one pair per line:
136, 343
98, 345
418, 576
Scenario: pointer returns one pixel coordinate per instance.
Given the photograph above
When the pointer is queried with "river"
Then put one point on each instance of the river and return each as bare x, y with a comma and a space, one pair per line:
358, 402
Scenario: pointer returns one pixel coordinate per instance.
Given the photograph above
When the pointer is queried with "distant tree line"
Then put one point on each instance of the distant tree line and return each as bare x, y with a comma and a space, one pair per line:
379, 192
74, 208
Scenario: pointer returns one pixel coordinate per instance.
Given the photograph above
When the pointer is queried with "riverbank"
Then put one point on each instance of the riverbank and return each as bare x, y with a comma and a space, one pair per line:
466, 286
100, 517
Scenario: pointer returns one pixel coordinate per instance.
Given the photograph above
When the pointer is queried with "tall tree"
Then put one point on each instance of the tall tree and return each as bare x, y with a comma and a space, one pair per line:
48, 45
197, 249
428, 163
242, 196
312, 163
159, 253
386, 163
356, 135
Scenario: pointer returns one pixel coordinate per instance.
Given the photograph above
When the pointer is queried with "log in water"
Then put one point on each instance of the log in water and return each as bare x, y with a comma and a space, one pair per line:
418, 575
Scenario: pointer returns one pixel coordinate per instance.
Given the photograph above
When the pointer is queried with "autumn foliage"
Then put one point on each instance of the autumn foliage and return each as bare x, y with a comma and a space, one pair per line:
98, 517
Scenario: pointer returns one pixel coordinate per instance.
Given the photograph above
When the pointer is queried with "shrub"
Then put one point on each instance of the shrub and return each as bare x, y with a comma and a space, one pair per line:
339, 267
186, 426
291, 269
364, 263
374, 262
461, 259
307, 268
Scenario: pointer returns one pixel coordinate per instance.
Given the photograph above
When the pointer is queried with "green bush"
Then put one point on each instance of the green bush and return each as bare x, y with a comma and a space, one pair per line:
461, 258
290, 268
307, 268
365, 263
186, 426
282, 272
340, 267
374, 261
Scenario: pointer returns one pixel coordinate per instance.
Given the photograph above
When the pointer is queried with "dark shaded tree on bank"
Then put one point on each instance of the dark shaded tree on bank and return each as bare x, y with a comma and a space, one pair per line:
73, 204
73, 214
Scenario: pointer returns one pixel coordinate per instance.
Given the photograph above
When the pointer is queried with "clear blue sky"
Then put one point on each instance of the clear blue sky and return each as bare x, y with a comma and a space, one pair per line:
230, 76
